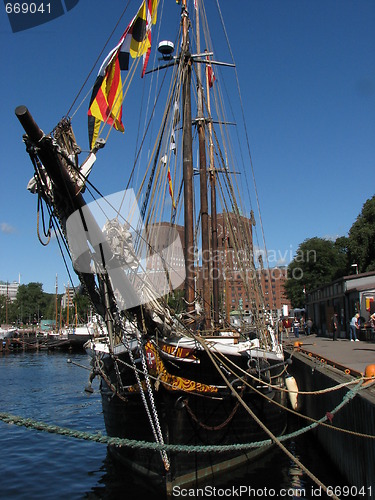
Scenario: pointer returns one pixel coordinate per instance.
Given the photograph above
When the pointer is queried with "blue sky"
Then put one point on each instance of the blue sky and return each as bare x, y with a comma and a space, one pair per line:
307, 75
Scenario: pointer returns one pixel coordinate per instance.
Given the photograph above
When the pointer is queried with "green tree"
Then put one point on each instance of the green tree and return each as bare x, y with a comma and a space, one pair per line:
361, 241
176, 301
49, 311
3, 306
30, 302
82, 302
317, 261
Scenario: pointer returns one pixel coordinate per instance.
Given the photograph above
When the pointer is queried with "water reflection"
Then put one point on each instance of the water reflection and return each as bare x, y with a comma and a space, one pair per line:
273, 475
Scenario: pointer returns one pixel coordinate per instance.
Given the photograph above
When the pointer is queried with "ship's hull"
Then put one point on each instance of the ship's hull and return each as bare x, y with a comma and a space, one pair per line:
78, 340
192, 419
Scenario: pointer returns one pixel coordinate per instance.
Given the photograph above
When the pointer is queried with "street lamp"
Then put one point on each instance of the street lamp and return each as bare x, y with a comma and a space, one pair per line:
356, 268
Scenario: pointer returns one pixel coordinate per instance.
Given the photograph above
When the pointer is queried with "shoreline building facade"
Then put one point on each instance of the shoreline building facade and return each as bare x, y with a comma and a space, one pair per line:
9, 289
345, 296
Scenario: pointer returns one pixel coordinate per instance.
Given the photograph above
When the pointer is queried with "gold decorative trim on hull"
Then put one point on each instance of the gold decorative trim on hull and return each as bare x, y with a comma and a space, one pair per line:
172, 382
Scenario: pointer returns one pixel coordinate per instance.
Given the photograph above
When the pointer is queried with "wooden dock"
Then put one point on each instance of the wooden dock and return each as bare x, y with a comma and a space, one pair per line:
320, 363
352, 356
32, 343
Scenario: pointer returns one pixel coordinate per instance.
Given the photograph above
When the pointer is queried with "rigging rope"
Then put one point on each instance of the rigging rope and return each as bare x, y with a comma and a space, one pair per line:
46, 234
247, 136
261, 424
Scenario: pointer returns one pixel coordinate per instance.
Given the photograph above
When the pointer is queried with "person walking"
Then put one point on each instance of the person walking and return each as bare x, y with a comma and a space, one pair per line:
354, 327
335, 326
296, 327
309, 325
286, 326
372, 323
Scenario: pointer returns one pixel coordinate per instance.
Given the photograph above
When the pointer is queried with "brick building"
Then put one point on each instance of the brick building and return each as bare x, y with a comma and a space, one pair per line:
272, 282
235, 249
234, 260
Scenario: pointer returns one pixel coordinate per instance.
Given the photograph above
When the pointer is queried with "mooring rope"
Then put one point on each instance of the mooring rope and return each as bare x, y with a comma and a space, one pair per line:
133, 443
123, 442
155, 446
282, 389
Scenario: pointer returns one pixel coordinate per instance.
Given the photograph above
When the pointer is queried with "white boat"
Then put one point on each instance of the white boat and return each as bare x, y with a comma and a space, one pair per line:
78, 335
7, 333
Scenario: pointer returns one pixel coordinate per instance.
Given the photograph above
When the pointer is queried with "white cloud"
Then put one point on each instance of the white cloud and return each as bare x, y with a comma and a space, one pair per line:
7, 228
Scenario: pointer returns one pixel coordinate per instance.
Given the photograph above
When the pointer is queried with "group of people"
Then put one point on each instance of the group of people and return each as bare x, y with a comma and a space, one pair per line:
305, 327
296, 326
299, 325
354, 326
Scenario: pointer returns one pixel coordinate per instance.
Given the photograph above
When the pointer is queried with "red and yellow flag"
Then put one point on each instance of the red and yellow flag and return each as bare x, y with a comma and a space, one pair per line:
170, 186
107, 105
106, 98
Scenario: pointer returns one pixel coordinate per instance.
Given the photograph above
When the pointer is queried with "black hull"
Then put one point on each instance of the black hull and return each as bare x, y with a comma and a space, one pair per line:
188, 419
76, 342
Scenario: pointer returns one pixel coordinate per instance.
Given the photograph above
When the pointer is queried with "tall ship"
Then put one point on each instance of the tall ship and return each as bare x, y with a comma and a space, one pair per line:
193, 387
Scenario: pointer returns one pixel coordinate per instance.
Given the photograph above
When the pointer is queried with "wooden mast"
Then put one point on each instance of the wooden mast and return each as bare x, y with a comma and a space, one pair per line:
188, 166
6, 305
203, 190
227, 273
56, 327
214, 243
67, 311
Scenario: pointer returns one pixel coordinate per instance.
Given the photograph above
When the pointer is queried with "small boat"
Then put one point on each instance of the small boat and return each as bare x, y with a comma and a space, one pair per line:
7, 333
196, 390
79, 335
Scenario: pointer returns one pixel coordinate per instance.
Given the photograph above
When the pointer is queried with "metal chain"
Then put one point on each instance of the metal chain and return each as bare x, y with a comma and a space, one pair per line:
153, 421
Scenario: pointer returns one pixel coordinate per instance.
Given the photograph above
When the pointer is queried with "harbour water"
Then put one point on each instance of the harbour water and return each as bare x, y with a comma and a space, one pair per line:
37, 465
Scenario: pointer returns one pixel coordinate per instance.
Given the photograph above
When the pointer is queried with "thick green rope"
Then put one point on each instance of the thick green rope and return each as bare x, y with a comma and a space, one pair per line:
132, 443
